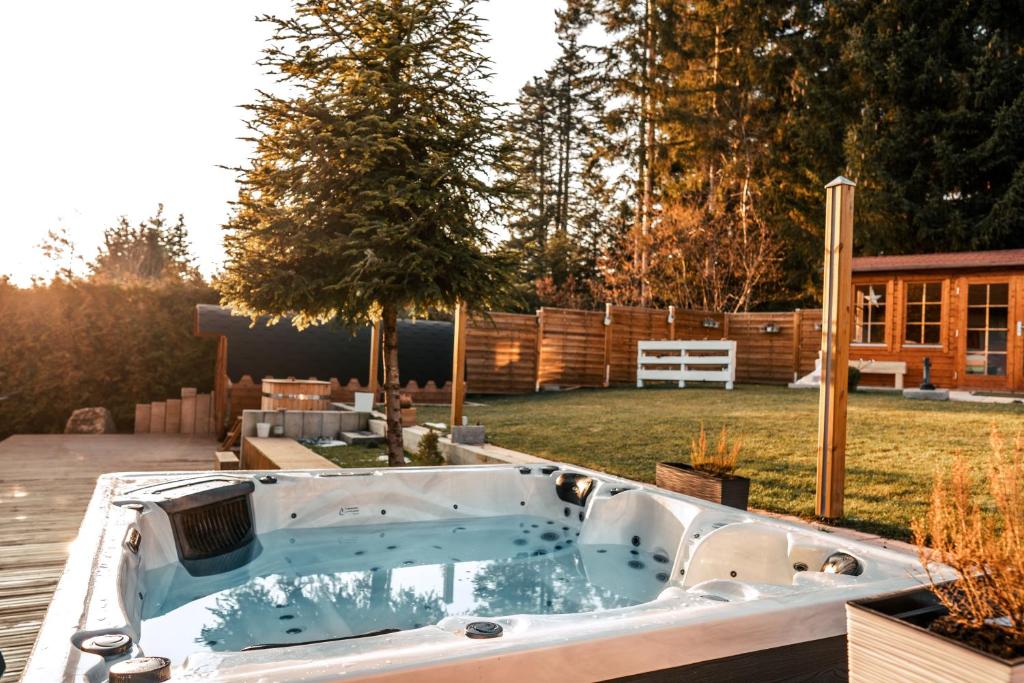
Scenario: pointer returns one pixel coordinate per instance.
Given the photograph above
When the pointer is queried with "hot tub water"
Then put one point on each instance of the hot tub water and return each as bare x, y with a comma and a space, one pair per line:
322, 583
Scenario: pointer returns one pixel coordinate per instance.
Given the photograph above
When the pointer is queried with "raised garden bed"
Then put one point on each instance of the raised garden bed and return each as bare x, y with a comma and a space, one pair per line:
890, 640
680, 477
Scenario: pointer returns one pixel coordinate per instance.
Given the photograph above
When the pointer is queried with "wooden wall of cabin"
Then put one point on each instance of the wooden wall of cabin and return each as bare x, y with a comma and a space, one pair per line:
947, 356
943, 355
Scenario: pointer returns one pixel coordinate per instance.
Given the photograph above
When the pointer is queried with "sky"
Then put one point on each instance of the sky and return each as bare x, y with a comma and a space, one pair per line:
110, 108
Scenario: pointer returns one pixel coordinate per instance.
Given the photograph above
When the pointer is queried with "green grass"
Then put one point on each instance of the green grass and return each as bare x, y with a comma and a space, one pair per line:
894, 445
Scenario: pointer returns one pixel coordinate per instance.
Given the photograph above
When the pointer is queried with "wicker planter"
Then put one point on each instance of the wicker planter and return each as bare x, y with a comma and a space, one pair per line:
682, 478
889, 640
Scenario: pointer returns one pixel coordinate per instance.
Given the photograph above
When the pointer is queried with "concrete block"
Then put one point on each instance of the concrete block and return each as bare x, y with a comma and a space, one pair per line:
377, 427
468, 434
926, 394
293, 423
363, 438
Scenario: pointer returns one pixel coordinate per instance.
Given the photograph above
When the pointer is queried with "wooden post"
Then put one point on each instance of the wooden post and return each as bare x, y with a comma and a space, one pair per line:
459, 364
540, 347
607, 344
796, 344
672, 323
835, 348
374, 385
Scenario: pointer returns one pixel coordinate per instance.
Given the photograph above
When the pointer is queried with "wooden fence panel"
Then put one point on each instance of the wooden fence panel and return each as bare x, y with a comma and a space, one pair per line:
763, 356
693, 325
572, 351
501, 354
630, 325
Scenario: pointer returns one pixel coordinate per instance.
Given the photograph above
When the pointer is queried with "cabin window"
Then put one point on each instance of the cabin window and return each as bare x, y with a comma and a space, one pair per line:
923, 313
987, 328
869, 309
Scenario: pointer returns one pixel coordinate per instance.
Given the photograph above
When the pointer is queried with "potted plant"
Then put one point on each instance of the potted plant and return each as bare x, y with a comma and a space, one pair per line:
709, 474
970, 628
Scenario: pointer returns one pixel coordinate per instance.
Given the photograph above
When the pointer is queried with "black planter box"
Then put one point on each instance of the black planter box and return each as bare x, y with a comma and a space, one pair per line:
728, 490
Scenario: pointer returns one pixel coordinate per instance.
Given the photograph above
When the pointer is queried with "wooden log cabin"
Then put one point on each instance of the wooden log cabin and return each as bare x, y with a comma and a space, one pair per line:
964, 311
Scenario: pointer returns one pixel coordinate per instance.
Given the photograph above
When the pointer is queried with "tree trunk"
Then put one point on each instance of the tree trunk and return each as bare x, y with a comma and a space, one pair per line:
392, 409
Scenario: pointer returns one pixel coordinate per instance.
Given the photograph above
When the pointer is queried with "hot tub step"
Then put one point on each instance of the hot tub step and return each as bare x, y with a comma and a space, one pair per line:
362, 438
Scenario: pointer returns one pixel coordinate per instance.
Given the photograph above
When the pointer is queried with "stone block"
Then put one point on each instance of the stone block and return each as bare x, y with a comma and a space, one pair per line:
926, 394
468, 434
90, 421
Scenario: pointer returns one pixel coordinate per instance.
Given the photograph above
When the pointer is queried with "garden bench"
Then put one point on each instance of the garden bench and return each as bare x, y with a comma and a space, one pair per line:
882, 367
686, 361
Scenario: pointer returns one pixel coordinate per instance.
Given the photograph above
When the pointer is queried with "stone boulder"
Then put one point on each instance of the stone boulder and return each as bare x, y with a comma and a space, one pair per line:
90, 421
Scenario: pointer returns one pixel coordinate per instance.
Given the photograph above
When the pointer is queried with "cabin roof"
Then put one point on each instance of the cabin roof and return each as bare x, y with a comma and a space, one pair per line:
965, 260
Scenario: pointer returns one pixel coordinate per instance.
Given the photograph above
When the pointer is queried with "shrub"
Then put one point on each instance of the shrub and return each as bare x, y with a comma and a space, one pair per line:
722, 460
427, 453
70, 345
984, 543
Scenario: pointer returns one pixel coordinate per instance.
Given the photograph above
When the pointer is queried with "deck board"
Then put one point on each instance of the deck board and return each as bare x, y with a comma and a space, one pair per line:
46, 481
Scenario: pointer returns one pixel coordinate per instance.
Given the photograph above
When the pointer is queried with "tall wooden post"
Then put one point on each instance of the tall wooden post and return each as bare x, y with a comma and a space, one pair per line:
835, 348
374, 359
459, 364
607, 344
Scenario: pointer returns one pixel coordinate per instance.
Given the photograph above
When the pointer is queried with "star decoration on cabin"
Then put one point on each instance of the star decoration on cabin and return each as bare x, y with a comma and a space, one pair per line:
873, 298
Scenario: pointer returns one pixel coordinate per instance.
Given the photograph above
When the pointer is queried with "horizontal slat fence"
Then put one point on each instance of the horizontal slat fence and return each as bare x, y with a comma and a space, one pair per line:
572, 347
627, 327
501, 354
766, 346
514, 353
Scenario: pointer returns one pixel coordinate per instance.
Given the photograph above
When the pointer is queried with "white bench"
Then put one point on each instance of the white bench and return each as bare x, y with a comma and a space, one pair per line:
882, 367
686, 361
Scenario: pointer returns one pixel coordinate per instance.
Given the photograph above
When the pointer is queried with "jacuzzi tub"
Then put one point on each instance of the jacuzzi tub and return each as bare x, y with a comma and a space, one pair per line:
452, 573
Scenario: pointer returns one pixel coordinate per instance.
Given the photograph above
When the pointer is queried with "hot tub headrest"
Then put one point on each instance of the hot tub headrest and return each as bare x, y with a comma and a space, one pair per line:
573, 487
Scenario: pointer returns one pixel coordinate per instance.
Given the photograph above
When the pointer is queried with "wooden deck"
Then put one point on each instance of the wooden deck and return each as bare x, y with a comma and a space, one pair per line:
45, 484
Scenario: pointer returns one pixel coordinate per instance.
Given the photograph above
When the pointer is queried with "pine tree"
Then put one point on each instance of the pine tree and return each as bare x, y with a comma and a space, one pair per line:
628, 74
938, 144
368, 192
153, 250
557, 196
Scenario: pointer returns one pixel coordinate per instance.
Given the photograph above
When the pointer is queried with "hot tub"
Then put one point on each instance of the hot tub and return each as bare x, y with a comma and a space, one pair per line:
451, 573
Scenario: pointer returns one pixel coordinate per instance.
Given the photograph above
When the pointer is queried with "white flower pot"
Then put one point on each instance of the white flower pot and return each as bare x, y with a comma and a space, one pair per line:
262, 429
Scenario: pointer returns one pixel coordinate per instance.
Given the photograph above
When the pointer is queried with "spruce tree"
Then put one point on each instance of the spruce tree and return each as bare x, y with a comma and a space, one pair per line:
557, 190
368, 193
938, 143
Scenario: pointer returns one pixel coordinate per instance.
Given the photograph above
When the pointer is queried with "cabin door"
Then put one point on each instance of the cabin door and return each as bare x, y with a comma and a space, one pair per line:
992, 345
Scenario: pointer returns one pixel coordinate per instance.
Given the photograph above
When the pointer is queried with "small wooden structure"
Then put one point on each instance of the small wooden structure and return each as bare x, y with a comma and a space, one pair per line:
295, 394
686, 361
964, 311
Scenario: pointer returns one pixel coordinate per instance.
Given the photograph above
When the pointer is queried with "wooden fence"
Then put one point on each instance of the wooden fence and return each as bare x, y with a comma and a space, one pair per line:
513, 353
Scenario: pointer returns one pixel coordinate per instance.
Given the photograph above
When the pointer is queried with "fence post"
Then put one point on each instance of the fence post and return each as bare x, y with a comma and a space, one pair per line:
796, 344
835, 348
672, 323
374, 358
540, 347
607, 343
459, 364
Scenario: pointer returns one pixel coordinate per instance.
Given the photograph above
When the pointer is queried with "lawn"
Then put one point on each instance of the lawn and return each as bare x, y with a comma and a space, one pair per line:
894, 445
